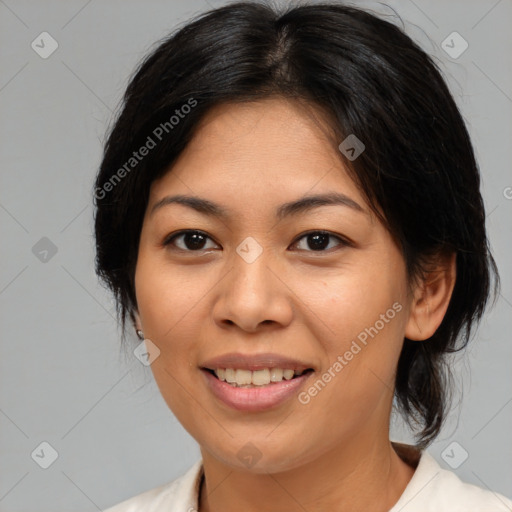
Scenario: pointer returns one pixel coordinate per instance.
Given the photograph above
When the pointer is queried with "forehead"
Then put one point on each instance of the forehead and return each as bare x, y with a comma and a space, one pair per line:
259, 152
267, 128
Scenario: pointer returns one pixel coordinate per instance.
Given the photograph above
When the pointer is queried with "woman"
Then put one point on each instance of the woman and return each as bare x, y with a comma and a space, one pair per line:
288, 213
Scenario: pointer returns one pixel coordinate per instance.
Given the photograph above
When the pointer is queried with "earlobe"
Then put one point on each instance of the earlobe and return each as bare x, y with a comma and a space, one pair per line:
431, 299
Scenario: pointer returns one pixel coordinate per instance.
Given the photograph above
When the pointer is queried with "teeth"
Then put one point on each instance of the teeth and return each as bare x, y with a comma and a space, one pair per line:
243, 377
288, 374
259, 377
247, 378
230, 375
276, 374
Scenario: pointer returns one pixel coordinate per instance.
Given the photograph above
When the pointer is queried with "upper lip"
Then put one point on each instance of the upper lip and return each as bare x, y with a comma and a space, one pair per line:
254, 362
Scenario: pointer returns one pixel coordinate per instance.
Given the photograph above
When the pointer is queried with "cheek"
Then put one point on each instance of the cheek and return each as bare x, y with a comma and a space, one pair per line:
167, 296
349, 301
362, 317
164, 304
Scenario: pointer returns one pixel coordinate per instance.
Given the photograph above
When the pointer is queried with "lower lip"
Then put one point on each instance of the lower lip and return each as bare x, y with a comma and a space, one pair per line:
254, 399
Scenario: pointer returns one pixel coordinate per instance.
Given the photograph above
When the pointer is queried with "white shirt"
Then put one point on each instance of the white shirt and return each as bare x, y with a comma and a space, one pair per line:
431, 489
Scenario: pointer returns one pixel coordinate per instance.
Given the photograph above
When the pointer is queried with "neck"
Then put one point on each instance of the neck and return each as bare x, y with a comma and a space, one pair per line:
360, 475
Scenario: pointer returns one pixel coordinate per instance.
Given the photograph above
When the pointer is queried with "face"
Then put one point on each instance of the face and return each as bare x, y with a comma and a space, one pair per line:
324, 287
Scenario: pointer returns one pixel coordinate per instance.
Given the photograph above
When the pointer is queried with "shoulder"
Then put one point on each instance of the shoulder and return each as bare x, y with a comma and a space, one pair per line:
181, 492
434, 489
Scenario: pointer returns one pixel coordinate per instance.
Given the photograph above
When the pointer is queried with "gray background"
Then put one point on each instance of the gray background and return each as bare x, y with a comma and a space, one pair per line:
63, 377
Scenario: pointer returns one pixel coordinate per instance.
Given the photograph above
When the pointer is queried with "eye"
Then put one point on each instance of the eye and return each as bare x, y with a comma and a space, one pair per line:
193, 240
319, 240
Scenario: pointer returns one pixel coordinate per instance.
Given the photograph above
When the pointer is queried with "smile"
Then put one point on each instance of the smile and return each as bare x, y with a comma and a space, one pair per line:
250, 396
257, 378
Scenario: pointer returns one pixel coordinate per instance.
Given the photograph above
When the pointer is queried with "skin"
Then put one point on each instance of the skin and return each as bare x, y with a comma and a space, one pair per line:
333, 453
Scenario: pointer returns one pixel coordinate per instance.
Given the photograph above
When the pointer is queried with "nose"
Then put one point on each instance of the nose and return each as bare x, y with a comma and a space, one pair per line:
254, 294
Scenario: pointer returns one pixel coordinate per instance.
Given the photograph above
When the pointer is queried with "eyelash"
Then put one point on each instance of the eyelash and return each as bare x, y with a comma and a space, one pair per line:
169, 240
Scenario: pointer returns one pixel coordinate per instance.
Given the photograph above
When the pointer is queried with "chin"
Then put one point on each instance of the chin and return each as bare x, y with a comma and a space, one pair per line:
251, 459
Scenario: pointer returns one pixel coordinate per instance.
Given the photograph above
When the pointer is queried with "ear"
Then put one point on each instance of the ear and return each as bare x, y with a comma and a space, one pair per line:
432, 295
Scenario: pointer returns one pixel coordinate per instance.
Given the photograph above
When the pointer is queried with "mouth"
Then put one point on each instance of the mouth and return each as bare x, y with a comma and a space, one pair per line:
258, 390
242, 378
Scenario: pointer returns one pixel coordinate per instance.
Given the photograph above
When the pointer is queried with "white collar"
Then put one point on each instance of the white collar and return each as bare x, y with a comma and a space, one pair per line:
431, 489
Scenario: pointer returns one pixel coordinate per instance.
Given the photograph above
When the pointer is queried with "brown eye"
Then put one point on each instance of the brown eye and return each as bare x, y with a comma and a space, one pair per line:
191, 241
318, 241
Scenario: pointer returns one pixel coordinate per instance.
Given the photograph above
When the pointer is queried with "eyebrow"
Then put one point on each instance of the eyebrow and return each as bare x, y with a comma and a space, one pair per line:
296, 207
